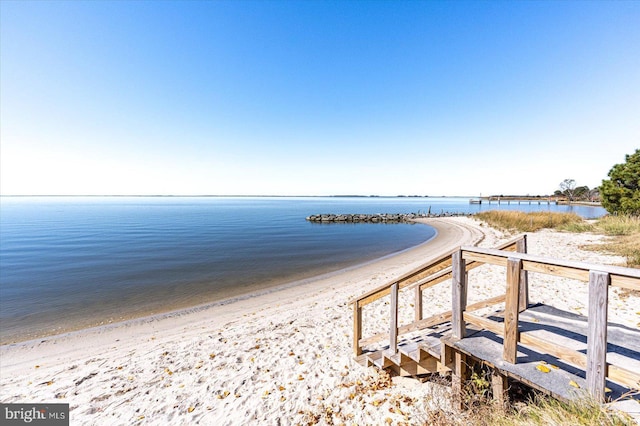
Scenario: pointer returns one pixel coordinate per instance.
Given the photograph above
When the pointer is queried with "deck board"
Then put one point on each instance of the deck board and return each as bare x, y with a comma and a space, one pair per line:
564, 328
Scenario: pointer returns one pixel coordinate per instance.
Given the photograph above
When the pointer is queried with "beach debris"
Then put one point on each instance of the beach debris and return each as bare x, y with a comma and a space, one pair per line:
190, 409
574, 384
86, 378
543, 368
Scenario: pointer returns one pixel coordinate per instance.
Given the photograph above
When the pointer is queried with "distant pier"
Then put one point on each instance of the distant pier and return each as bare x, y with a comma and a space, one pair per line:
514, 200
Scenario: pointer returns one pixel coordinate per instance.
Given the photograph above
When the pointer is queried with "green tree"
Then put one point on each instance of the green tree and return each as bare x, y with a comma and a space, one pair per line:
621, 192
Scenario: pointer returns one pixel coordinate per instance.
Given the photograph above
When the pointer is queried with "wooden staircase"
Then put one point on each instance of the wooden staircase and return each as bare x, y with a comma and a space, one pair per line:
415, 356
421, 354
585, 353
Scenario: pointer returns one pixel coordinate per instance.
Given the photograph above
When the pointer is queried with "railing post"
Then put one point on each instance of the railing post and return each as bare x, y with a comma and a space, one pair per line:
511, 310
459, 294
393, 327
597, 333
418, 304
357, 328
521, 247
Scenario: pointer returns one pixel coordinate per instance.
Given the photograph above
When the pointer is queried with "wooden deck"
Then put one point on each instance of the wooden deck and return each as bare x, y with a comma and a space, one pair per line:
562, 354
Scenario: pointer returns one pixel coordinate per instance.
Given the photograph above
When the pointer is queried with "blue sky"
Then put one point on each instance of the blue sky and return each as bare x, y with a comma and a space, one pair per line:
315, 97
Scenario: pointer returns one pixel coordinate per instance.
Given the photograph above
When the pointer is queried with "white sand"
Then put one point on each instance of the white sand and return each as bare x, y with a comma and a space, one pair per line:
279, 358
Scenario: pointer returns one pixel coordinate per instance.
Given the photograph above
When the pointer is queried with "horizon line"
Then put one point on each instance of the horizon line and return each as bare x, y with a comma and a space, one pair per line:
272, 196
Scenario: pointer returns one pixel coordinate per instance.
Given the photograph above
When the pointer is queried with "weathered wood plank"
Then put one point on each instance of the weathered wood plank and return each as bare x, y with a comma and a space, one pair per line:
526, 338
357, 329
417, 305
485, 323
434, 279
512, 309
499, 388
597, 333
406, 280
625, 377
460, 375
490, 259
459, 294
521, 247
445, 274
393, 326
568, 355
572, 269
420, 272
629, 283
557, 270
433, 320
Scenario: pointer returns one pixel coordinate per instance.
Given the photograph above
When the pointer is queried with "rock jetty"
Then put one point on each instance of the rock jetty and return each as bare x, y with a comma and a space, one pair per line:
374, 218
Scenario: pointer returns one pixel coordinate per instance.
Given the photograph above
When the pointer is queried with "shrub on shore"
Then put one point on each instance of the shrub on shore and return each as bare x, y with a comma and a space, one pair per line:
625, 237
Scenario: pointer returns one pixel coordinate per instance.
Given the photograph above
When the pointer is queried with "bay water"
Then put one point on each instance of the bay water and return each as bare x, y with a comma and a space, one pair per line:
72, 262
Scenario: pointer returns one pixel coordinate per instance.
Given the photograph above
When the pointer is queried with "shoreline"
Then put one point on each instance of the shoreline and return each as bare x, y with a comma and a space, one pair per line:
284, 357
228, 309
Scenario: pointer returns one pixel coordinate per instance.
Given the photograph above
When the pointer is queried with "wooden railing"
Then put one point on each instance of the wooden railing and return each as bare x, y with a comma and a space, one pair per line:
599, 277
437, 271
451, 268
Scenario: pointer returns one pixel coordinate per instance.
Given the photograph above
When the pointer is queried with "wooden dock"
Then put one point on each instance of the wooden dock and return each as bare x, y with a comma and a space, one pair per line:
559, 353
516, 200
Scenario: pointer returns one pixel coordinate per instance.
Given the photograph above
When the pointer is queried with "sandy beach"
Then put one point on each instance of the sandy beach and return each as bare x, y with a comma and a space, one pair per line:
282, 357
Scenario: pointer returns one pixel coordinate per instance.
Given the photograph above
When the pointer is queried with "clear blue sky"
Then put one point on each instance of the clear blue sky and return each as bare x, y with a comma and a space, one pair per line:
315, 97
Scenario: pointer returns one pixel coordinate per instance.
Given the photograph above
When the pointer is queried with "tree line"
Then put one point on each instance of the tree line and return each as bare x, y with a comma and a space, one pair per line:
619, 194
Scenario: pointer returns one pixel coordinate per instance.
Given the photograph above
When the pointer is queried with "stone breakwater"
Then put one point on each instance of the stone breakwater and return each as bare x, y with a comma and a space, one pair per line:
375, 218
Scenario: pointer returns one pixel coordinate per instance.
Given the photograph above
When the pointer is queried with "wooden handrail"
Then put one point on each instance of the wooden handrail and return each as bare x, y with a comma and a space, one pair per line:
421, 273
420, 278
620, 276
432, 321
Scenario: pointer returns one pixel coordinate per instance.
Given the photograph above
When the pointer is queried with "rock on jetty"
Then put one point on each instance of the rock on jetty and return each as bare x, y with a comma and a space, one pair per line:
374, 218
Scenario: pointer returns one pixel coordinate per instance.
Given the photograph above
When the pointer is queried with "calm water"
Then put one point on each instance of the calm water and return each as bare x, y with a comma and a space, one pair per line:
67, 263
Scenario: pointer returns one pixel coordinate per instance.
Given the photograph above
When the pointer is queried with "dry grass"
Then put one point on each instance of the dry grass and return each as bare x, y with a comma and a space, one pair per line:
624, 231
528, 222
538, 411
549, 411
624, 237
